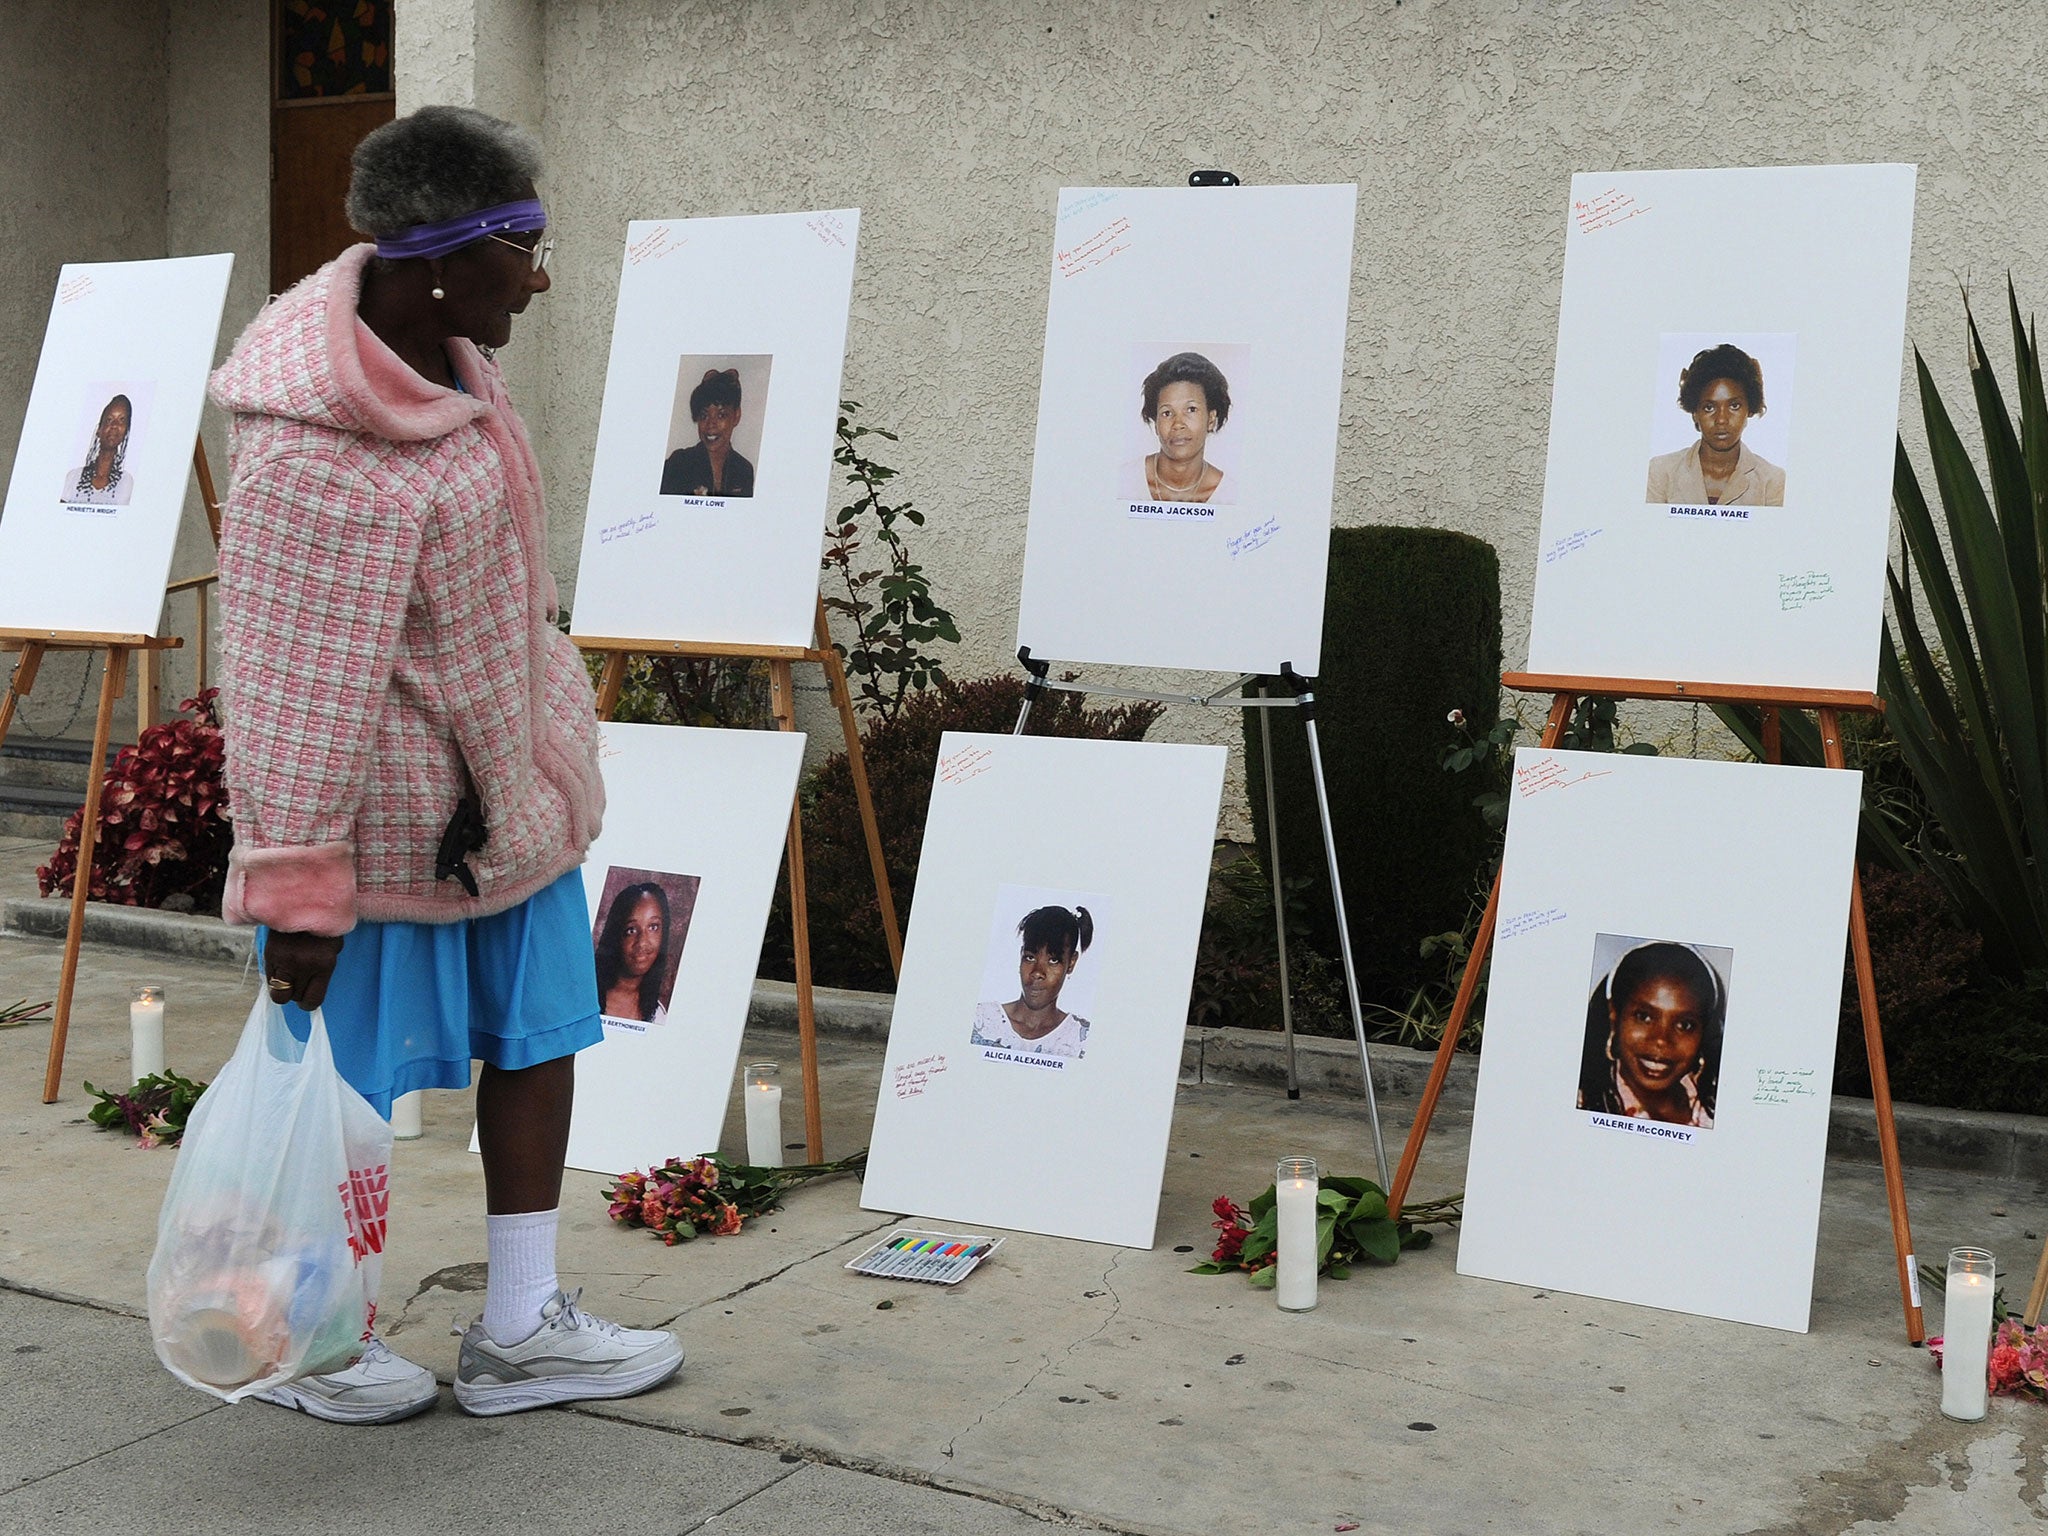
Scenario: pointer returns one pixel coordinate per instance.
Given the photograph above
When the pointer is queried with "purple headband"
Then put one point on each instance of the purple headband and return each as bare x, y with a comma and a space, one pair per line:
447, 235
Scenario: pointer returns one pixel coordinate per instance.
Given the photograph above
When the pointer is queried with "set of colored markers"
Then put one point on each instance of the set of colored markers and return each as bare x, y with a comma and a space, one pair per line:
940, 1257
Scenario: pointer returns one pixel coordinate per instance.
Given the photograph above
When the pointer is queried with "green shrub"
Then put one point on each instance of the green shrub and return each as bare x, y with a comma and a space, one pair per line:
1923, 960
1411, 631
847, 947
1237, 963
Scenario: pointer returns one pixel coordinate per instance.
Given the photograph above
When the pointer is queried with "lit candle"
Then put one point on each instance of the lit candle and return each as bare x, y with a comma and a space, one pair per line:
1966, 1333
1294, 1191
764, 1114
146, 1034
405, 1117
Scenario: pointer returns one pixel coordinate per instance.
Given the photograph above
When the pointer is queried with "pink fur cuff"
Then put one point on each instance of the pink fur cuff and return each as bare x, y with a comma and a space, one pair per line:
294, 890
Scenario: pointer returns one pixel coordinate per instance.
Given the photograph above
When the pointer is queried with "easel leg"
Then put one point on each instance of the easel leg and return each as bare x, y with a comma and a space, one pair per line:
2039, 1294
1372, 1103
1461, 1009
113, 681
207, 498
782, 694
610, 683
25, 668
149, 692
842, 697
1880, 1077
1279, 898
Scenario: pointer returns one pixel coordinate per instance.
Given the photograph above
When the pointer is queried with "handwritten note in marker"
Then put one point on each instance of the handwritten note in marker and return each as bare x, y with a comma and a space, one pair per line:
1110, 240
1570, 544
1804, 589
1253, 538
1528, 922
627, 529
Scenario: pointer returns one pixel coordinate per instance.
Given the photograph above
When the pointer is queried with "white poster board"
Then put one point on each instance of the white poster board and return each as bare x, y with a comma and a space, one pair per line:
1066, 1133
673, 550
1712, 901
85, 539
1800, 271
679, 884
1121, 565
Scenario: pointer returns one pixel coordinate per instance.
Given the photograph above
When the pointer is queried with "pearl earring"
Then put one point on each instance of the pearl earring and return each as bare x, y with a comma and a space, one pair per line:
439, 294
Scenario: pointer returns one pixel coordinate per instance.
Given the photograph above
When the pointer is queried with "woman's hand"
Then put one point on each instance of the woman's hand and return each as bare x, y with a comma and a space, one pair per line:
298, 966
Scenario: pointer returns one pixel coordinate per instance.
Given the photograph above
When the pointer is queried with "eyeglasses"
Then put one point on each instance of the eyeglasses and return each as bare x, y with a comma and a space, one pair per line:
538, 252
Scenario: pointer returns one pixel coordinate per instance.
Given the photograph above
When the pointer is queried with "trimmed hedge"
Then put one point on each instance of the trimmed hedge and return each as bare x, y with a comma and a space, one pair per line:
1411, 631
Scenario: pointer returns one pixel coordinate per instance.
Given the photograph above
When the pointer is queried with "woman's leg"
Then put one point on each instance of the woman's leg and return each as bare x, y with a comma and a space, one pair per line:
522, 1128
522, 1122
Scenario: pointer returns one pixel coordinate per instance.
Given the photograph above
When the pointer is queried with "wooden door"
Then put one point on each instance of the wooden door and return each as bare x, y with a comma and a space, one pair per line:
331, 84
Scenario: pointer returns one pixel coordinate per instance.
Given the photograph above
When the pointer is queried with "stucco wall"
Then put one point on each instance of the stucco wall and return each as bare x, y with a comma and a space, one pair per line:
82, 171
951, 123
217, 88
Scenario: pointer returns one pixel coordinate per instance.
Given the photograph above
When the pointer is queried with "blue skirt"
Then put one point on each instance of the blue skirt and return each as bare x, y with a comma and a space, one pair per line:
412, 1004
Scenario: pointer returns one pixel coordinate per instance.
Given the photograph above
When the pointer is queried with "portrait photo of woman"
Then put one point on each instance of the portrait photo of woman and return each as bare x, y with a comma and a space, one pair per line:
712, 450
1183, 402
1721, 391
1654, 1019
1041, 951
98, 475
643, 919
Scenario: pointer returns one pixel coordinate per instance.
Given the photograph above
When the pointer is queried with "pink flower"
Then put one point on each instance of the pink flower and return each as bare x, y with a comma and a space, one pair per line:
728, 1222
2005, 1368
652, 1211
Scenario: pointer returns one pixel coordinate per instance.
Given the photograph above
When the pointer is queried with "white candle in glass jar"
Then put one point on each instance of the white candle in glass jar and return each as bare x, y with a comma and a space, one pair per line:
405, 1117
146, 1034
1295, 1190
1966, 1334
764, 1114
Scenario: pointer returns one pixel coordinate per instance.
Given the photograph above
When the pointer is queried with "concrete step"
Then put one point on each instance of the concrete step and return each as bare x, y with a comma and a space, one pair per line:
47, 763
31, 811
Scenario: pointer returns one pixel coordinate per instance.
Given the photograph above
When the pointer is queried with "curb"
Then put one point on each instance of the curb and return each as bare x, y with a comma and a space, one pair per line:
1954, 1140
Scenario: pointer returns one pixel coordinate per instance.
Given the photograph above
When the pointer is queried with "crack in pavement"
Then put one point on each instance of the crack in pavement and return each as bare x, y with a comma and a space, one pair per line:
1045, 1360
86, 1461
772, 1275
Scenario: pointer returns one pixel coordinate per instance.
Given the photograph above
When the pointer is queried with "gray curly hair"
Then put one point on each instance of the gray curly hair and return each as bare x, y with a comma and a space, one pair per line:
438, 163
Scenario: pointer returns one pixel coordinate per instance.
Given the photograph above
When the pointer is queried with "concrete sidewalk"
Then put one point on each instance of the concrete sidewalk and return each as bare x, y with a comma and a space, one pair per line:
1063, 1382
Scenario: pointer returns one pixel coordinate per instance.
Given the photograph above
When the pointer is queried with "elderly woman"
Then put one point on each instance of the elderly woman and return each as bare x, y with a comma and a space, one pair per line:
1183, 400
711, 466
105, 481
1653, 1037
1722, 391
411, 748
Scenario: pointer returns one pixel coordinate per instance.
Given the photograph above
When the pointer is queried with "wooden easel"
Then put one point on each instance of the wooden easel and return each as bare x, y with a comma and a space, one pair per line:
1831, 705
782, 700
116, 649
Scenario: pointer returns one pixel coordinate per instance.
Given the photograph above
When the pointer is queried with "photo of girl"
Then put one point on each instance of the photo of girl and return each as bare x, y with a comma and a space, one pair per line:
1043, 949
643, 919
1652, 1047
97, 475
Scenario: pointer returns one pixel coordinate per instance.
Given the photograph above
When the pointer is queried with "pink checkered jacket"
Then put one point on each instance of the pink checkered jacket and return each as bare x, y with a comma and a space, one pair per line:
386, 619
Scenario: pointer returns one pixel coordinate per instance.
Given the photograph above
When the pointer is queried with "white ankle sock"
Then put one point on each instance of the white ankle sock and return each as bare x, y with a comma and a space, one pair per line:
522, 1273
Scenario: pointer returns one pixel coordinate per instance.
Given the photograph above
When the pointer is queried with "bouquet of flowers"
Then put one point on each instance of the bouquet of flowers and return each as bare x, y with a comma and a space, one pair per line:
2019, 1359
155, 1109
680, 1199
1352, 1223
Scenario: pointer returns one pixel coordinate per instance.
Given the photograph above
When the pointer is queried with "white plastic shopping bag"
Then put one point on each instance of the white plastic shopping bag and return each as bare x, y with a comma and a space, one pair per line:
271, 1240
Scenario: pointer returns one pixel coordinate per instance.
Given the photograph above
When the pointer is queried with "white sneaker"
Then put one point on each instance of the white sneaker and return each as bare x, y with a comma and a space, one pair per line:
380, 1388
571, 1356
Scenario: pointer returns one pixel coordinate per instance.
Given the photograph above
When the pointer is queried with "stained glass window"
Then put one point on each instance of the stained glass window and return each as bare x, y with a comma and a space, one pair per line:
333, 48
